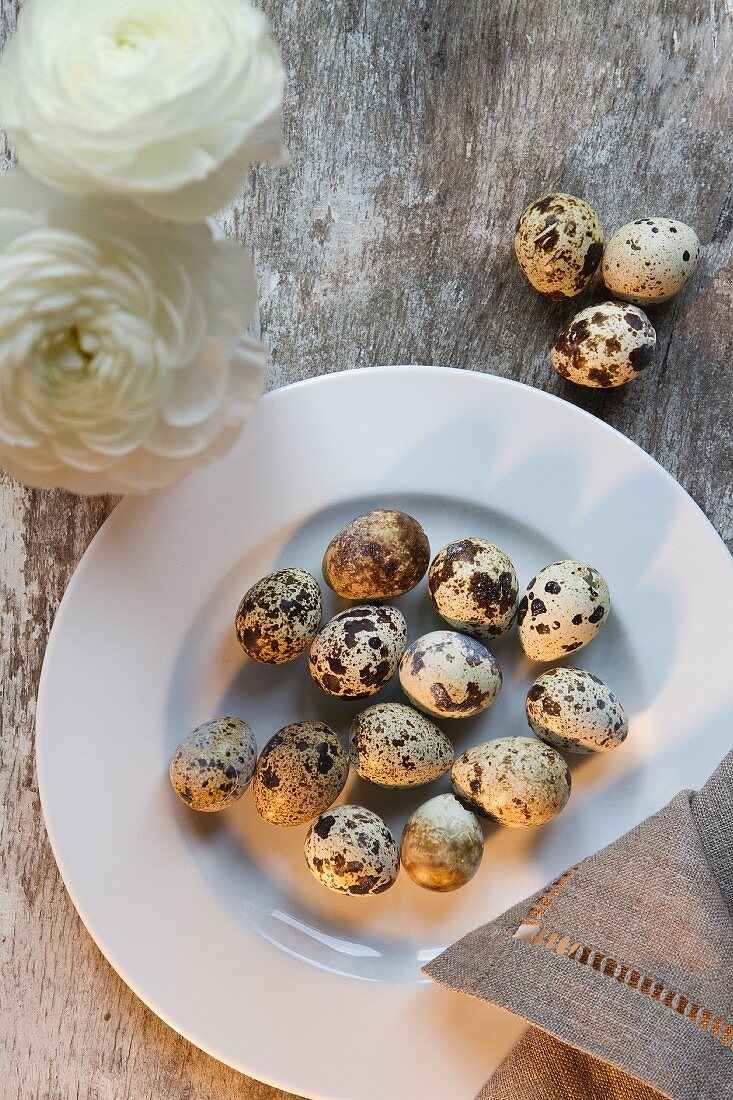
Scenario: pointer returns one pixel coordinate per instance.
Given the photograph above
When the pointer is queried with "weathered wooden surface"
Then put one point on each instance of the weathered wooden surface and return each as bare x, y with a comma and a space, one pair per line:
419, 130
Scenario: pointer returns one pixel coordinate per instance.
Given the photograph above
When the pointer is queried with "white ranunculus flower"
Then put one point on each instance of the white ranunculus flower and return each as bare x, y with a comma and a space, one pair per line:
165, 101
122, 364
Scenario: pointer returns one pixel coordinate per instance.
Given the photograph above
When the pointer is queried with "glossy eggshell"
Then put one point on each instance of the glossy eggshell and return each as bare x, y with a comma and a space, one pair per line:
350, 850
572, 709
300, 773
473, 586
649, 261
559, 243
604, 345
515, 781
449, 675
377, 556
358, 651
213, 766
279, 616
442, 844
562, 610
393, 745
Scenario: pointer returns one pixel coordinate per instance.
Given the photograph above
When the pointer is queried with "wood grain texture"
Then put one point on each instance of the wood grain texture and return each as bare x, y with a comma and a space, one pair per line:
419, 131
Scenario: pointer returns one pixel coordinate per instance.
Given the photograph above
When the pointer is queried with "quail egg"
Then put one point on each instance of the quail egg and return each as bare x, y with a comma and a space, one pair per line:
300, 773
350, 850
572, 709
604, 345
515, 781
650, 260
393, 745
449, 675
279, 616
358, 651
473, 586
442, 844
559, 244
213, 766
563, 609
377, 556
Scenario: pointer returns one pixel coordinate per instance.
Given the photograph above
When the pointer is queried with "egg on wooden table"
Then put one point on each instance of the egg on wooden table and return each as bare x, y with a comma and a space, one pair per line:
393, 745
358, 651
301, 771
279, 616
442, 844
350, 850
213, 766
377, 556
515, 781
473, 586
605, 345
569, 708
449, 675
559, 243
563, 609
649, 261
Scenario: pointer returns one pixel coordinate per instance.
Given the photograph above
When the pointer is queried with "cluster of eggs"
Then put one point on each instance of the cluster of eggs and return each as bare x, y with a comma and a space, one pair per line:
559, 244
445, 674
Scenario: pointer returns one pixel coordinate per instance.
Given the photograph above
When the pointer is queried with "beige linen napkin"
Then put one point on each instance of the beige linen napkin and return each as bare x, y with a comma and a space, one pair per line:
624, 965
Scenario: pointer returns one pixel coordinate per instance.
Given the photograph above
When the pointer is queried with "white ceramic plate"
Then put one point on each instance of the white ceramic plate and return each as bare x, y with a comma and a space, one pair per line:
214, 920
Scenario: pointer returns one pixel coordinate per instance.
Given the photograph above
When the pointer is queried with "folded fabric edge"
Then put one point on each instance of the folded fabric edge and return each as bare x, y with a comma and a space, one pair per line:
668, 1051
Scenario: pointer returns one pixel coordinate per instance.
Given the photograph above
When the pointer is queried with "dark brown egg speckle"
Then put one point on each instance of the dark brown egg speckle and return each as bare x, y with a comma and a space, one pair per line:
377, 556
213, 766
300, 773
351, 851
279, 616
358, 651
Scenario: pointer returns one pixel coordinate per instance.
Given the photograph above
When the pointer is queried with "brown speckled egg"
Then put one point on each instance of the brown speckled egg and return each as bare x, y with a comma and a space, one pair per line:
515, 781
393, 745
572, 709
442, 844
449, 675
650, 260
279, 616
563, 609
358, 651
473, 586
350, 850
300, 773
604, 345
559, 244
213, 766
377, 556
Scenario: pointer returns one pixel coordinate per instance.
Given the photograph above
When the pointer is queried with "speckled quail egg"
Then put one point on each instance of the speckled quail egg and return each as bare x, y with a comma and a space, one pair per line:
393, 745
213, 766
572, 709
279, 616
442, 844
449, 675
300, 773
350, 850
559, 244
377, 556
650, 260
358, 651
563, 609
516, 781
473, 586
604, 345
